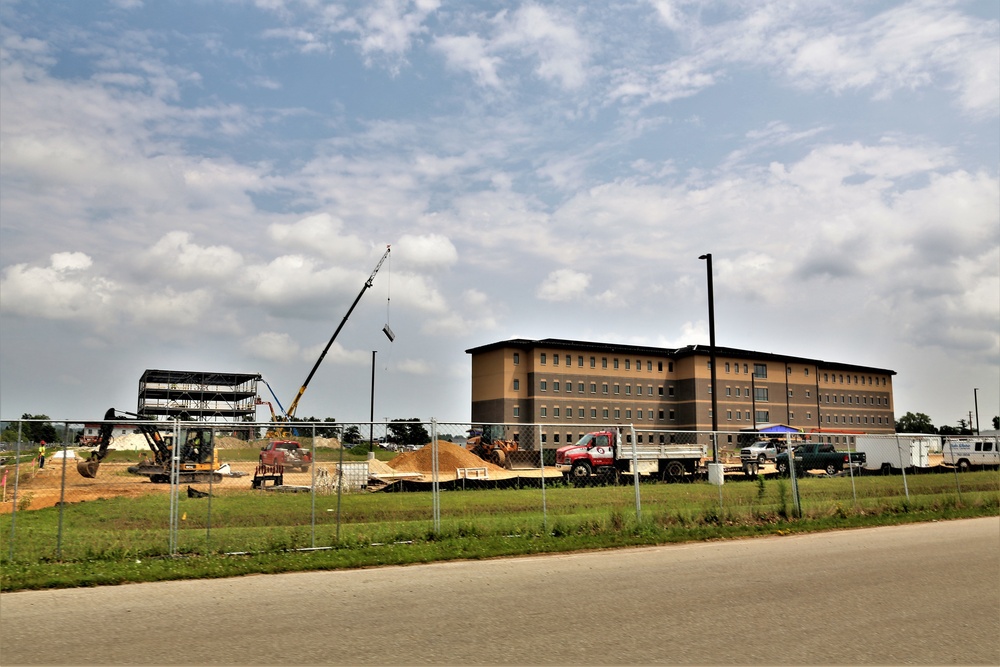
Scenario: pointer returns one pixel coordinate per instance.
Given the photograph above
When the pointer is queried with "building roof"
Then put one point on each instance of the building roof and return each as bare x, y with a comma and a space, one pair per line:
670, 353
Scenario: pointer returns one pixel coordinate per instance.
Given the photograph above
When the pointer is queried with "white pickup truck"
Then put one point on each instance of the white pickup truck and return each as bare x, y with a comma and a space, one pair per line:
761, 451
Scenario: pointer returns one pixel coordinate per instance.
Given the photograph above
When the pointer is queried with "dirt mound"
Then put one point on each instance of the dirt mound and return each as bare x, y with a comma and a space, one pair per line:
450, 457
376, 467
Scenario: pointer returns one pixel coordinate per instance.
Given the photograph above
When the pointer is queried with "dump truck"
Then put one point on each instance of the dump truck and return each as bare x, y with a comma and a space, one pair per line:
604, 453
196, 460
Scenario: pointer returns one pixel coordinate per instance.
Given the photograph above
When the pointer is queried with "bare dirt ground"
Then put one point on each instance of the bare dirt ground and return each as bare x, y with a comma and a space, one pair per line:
37, 489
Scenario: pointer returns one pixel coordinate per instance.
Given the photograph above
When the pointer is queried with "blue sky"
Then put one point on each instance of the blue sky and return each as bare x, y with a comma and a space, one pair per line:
206, 185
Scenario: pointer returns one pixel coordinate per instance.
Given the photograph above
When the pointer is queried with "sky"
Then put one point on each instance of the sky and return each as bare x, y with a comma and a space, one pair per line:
208, 184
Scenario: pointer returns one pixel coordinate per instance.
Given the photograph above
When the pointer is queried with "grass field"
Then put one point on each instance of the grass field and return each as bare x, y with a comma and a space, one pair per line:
119, 540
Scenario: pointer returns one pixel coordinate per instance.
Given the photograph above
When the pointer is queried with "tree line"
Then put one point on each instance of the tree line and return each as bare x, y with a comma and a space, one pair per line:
921, 423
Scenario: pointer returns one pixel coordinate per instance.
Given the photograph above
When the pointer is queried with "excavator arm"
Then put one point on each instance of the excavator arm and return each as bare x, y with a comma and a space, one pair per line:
89, 466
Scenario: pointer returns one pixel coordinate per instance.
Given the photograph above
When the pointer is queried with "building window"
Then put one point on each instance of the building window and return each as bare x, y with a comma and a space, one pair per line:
659, 390
806, 371
555, 359
628, 390
555, 437
555, 413
543, 412
736, 368
659, 366
517, 358
729, 415
616, 363
628, 413
579, 413
618, 413
604, 413
593, 362
760, 370
579, 361
517, 384
746, 370
604, 362
763, 416
660, 415
672, 415
579, 387
569, 360
649, 366
628, 364
739, 392
788, 369
790, 393
809, 416
617, 388
543, 385
760, 393
542, 358
649, 415
670, 391
555, 385
517, 411
593, 413
638, 415
808, 393
791, 416
729, 391
709, 390
727, 366
638, 365
670, 367
593, 387
604, 387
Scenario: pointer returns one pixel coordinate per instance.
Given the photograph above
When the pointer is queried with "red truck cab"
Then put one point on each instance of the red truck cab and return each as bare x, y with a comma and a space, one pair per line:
594, 452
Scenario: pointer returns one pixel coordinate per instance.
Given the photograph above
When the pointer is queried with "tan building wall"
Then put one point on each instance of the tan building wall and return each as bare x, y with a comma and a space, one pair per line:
580, 386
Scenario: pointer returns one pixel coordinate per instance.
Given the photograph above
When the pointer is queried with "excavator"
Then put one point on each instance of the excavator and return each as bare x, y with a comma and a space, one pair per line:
487, 443
197, 462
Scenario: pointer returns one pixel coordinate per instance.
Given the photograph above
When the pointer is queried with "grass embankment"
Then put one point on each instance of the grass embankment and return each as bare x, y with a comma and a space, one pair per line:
129, 540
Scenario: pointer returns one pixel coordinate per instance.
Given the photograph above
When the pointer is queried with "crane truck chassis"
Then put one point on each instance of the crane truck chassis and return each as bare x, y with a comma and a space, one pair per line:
197, 459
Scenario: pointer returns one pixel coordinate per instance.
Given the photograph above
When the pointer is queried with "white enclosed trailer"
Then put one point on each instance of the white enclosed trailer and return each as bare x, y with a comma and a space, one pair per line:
902, 451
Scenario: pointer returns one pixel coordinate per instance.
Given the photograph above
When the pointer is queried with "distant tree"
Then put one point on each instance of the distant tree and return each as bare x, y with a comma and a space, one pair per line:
914, 423
352, 435
323, 431
31, 431
408, 432
961, 429
996, 423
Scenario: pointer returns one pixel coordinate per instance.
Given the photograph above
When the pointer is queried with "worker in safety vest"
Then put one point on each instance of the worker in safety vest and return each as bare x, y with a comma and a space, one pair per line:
41, 455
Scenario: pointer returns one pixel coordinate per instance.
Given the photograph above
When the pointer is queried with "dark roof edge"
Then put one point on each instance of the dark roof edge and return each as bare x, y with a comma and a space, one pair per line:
674, 353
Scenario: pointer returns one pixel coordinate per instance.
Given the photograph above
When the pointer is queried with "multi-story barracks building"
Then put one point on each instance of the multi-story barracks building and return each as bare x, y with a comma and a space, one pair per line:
585, 386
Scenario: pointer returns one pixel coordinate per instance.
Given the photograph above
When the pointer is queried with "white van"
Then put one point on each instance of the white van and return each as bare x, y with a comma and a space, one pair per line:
971, 451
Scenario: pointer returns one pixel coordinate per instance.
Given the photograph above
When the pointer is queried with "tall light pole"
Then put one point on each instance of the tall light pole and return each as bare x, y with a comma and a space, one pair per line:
371, 425
711, 353
975, 397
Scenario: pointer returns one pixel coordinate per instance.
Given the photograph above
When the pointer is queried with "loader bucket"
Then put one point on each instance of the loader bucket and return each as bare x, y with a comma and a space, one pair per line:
88, 468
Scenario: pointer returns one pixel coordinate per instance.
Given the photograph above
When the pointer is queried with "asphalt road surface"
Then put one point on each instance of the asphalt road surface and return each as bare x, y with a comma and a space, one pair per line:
916, 594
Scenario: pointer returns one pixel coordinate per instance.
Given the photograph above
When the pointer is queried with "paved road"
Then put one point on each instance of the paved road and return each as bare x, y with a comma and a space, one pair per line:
917, 594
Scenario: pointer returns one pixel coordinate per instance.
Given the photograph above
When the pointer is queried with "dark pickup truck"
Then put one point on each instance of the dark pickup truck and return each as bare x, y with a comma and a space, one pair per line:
819, 456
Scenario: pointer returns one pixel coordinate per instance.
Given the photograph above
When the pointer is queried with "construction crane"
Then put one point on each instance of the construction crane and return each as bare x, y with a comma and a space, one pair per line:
290, 413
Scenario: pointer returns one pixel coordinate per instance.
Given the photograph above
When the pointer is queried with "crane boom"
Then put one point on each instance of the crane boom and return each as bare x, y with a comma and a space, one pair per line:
368, 283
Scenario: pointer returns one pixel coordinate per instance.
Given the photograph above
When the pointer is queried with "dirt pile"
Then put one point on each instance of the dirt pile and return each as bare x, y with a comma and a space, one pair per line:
450, 457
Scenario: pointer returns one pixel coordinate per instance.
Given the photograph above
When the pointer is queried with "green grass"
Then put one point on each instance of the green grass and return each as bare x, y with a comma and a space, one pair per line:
129, 540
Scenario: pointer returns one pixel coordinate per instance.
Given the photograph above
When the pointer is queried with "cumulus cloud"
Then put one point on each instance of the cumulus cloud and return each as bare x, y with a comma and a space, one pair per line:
65, 289
563, 285
175, 256
430, 252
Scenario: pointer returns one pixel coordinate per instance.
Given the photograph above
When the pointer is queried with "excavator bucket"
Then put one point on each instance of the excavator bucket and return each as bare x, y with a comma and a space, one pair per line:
88, 468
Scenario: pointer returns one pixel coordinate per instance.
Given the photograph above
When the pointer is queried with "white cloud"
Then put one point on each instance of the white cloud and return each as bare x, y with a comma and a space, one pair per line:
429, 252
470, 53
563, 285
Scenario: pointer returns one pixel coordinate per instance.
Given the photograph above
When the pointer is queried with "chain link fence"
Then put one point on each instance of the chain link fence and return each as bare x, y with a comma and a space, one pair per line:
168, 488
